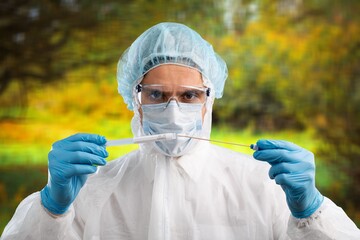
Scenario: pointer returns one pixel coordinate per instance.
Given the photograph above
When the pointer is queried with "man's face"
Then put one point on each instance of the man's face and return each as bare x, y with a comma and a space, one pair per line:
173, 76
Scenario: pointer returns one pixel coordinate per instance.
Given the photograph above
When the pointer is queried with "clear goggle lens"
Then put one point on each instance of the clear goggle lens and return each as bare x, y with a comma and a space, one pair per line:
158, 93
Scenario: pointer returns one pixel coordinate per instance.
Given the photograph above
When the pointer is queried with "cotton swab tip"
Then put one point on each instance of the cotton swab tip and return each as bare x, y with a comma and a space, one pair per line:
254, 147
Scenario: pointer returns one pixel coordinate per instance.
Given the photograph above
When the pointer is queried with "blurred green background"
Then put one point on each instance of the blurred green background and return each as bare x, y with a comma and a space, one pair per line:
293, 75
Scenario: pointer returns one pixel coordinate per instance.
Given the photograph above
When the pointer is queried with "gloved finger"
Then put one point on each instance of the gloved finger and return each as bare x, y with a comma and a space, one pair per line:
79, 169
264, 144
85, 158
86, 137
63, 172
281, 168
61, 156
294, 181
81, 146
274, 156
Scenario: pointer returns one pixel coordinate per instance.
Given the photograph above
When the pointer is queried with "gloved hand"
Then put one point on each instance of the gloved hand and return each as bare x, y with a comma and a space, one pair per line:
70, 162
293, 168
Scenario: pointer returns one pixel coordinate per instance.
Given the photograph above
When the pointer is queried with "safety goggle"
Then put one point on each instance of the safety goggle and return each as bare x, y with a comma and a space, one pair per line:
159, 93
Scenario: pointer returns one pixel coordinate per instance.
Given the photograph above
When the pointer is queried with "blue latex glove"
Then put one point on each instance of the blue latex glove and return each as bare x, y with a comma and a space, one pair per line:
293, 168
70, 162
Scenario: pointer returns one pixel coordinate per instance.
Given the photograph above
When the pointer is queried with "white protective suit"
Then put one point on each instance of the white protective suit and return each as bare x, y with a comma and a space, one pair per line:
209, 193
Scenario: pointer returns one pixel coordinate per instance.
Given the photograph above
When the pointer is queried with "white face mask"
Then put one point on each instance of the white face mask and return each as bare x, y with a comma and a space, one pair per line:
173, 117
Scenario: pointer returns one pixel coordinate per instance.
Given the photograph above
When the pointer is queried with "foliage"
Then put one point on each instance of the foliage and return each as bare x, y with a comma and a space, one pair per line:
31, 34
261, 82
337, 111
300, 68
41, 40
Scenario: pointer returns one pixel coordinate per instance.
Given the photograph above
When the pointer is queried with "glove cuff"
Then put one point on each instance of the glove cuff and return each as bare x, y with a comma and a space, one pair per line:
51, 205
316, 203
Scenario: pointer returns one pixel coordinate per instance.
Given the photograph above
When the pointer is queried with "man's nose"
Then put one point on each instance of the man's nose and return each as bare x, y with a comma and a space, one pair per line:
172, 99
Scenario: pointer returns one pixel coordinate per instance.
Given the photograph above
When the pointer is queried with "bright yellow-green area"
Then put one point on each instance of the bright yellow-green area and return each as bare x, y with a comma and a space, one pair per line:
35, 152
28, 143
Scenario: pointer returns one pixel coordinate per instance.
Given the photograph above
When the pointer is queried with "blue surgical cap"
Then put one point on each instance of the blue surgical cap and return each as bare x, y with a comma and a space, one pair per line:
168, 43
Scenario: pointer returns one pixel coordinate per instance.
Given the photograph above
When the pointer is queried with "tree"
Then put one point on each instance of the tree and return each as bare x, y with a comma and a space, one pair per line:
300, 59
42, 40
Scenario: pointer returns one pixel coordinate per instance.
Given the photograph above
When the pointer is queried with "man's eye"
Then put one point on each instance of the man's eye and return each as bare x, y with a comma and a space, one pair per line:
155, 94
190, 95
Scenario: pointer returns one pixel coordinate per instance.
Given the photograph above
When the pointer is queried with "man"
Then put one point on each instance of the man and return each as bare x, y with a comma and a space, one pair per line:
181, 188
